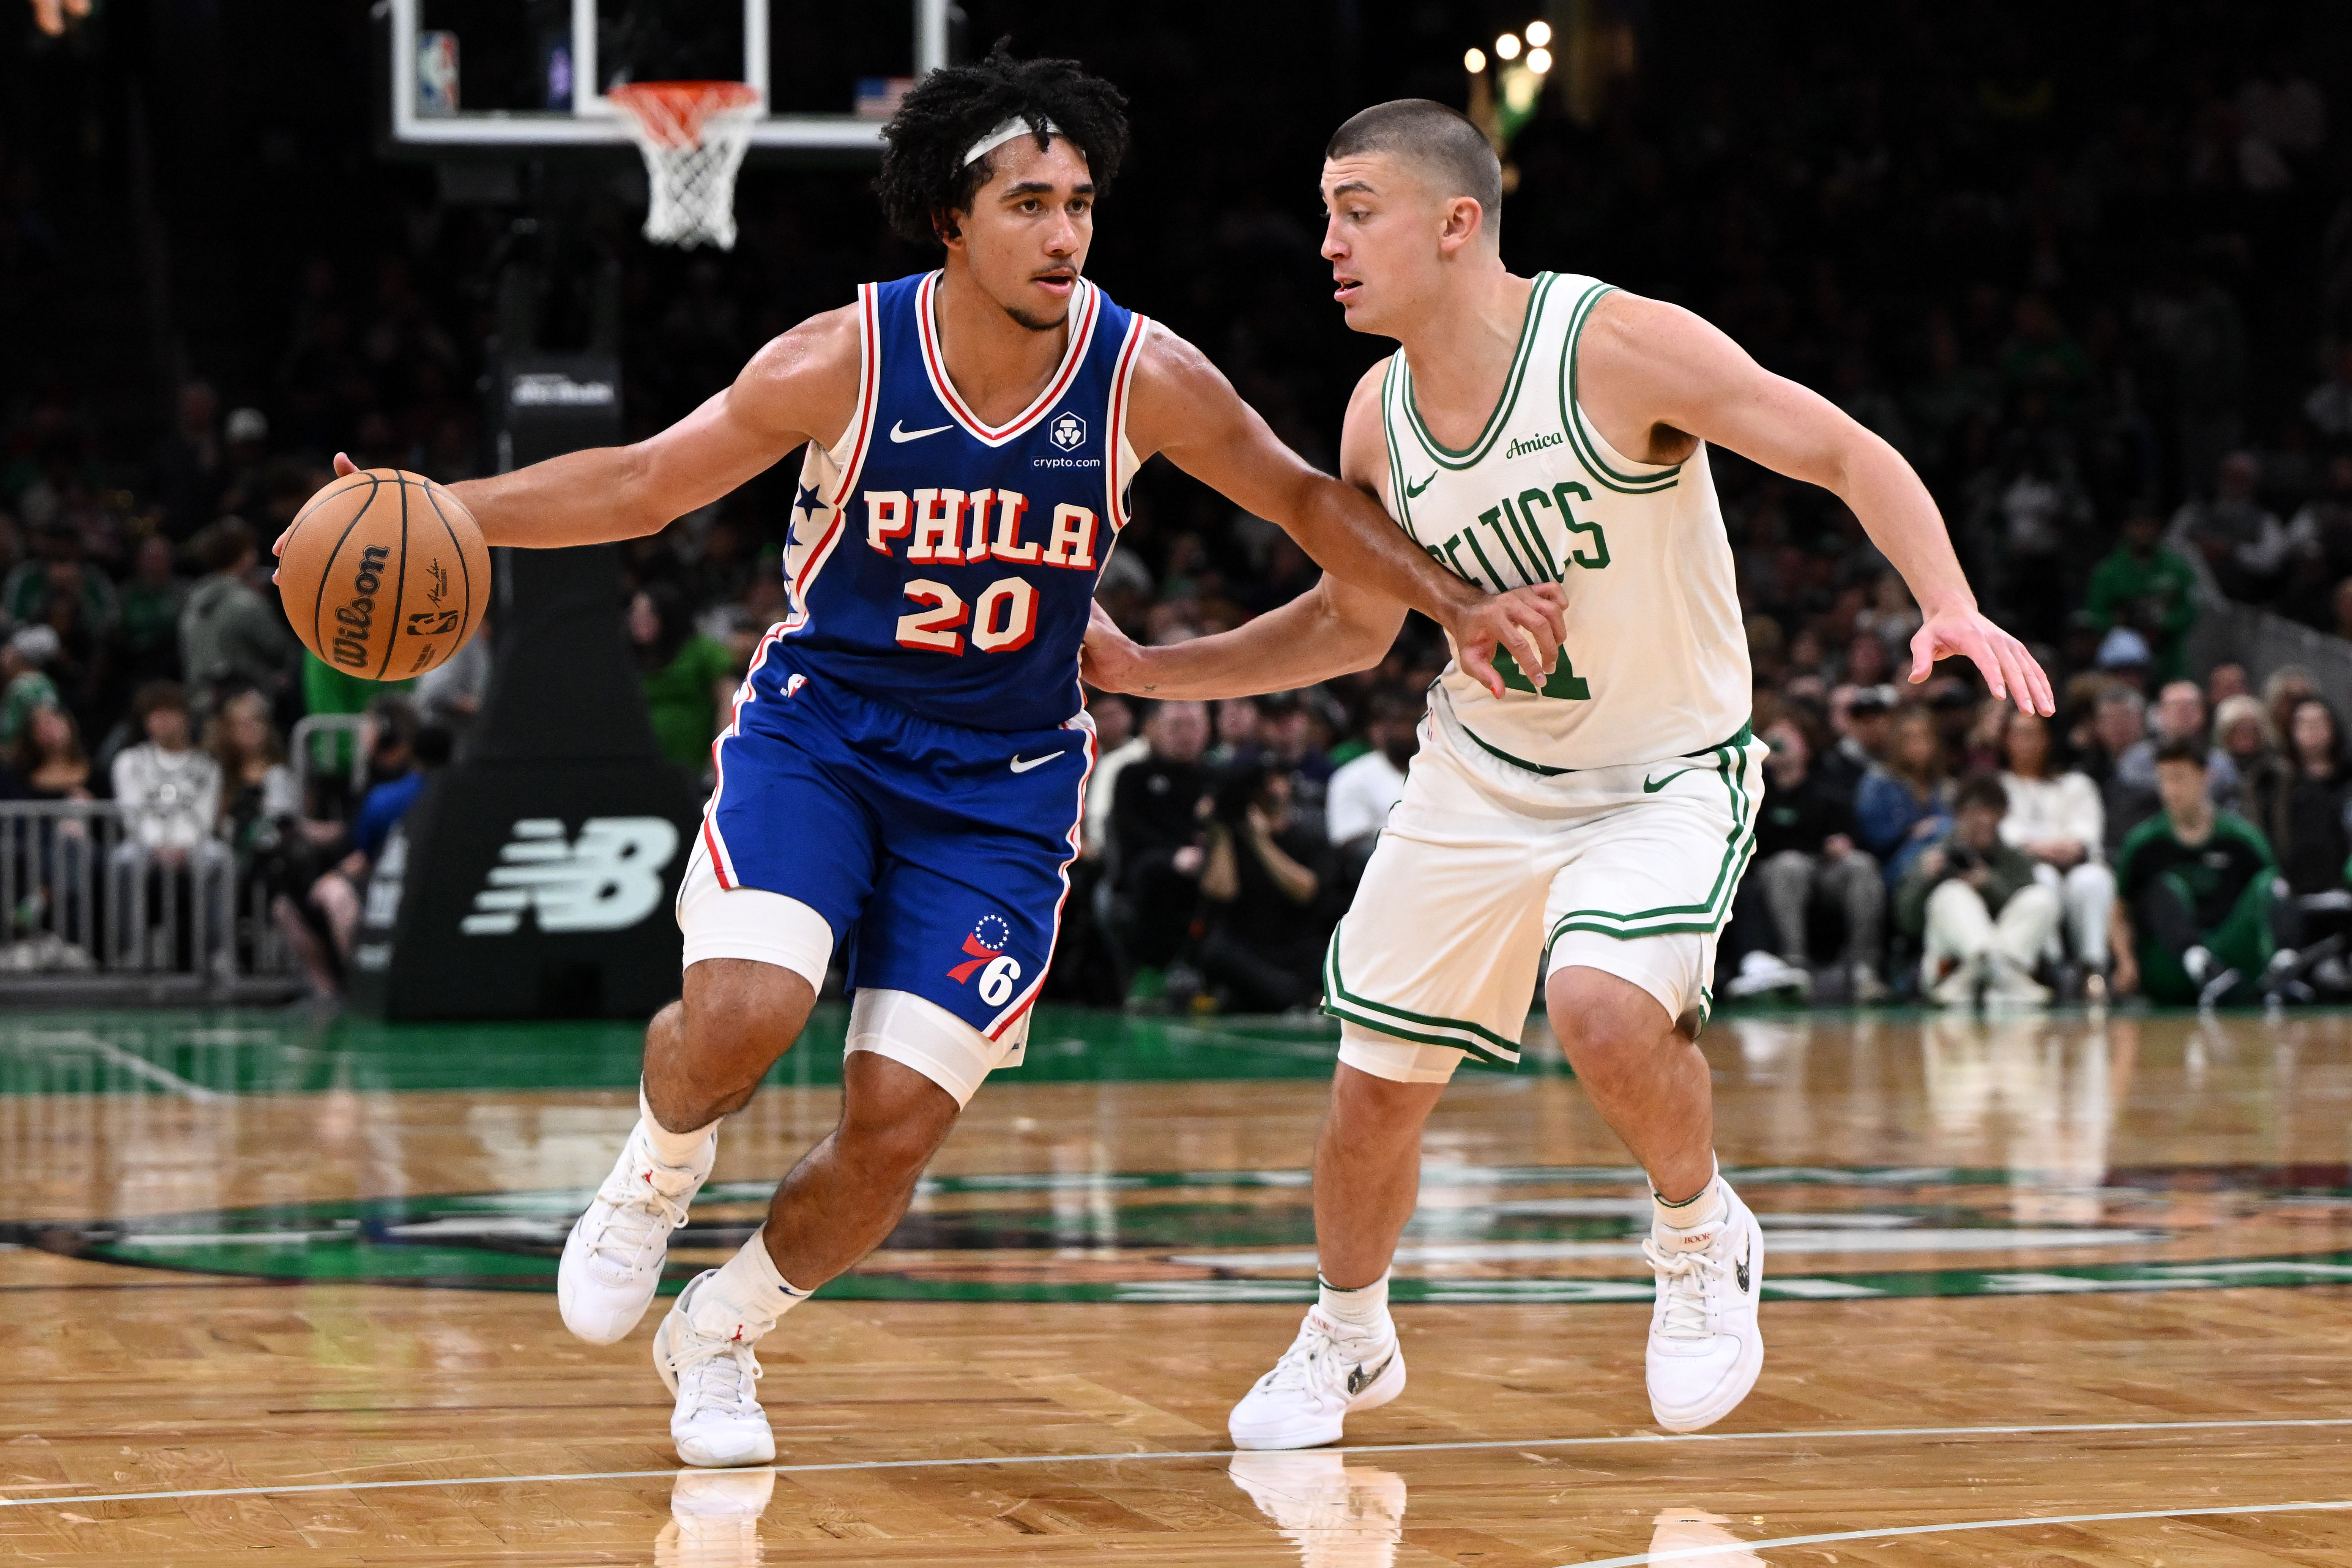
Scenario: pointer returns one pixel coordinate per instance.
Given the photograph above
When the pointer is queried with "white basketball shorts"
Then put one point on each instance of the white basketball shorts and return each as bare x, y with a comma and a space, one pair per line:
1471, 896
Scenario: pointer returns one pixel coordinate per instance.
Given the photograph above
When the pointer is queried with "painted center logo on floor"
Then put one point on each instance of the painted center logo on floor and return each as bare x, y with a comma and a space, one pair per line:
1531, 1233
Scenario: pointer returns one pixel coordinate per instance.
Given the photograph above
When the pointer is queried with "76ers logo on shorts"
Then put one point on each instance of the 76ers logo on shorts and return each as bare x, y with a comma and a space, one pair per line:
1069, 432
986, 950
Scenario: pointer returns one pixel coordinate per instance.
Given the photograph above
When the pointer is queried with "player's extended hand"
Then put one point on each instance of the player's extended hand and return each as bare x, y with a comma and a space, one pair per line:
1108, 660
2008, 670
344, 465
1532, 622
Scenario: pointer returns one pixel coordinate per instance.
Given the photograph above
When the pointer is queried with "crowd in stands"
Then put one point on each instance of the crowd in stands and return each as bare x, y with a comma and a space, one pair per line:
2106, 313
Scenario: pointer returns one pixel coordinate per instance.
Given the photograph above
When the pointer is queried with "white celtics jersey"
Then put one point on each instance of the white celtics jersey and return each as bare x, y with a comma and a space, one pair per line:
1656, 665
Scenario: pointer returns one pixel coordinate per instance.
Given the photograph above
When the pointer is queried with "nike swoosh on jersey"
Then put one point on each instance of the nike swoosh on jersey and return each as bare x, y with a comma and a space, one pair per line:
1413, 491
1649, 788
898, 432
1022, 764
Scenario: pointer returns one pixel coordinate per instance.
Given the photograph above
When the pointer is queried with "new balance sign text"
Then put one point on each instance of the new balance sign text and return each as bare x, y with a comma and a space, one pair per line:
609, 878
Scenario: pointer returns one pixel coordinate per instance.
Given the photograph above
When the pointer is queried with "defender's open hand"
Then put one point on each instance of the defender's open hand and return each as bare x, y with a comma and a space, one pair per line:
2008, 670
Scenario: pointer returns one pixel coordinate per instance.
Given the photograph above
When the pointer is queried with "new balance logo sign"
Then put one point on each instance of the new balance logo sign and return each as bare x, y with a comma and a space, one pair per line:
609, 878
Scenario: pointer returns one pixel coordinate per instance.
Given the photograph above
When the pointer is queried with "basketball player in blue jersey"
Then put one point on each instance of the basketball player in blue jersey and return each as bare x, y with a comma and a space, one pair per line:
903, 775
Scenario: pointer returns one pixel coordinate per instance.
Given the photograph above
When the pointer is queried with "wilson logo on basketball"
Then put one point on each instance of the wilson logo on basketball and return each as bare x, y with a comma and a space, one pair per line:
357, 619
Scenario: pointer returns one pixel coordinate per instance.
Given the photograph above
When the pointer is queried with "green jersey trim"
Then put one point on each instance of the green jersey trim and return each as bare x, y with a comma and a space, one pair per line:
1406, 1024
1571, 414
1745, 732
1708, 914
1398, 489
1447, 456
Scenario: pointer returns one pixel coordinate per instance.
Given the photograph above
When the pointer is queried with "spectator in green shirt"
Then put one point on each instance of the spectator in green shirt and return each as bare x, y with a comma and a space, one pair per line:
2146, 584
326, 690
687, 678
23, 685
2193, 905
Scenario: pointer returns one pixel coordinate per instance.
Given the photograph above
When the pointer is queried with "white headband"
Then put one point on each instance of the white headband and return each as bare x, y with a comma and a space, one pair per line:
1017, 126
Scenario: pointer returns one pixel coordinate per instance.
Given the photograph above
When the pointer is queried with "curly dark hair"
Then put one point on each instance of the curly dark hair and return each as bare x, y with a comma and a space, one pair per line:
924, 177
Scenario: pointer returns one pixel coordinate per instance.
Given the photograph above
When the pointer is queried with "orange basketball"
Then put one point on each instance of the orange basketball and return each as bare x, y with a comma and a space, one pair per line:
383, 575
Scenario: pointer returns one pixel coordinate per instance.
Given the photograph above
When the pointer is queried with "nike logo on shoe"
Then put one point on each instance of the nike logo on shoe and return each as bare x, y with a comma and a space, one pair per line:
1648, 787
1740, 1269
1022, 764
898, 432
1359, 1379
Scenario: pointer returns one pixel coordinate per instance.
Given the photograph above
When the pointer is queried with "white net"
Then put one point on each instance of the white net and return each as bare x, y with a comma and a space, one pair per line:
692, 134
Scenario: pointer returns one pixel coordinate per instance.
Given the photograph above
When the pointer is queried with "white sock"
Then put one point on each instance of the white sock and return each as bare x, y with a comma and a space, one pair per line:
746, 1297
1364, 1308
1704, 1209
675, 1148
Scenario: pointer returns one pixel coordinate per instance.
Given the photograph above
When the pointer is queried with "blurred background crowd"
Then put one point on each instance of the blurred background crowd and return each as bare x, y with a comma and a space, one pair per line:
2090, 270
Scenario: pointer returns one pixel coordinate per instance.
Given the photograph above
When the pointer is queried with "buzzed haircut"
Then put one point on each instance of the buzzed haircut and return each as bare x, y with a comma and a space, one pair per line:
1441, 146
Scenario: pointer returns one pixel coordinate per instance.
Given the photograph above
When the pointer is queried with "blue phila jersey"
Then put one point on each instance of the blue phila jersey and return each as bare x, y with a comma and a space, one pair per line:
943, 565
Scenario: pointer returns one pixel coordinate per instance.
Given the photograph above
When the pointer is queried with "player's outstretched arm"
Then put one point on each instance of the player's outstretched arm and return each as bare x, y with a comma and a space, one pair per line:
802, 387
1667, 367
1185, 409
1332, 629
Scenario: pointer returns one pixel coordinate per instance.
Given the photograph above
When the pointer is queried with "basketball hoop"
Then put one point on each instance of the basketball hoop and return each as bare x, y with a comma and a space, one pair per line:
693, 134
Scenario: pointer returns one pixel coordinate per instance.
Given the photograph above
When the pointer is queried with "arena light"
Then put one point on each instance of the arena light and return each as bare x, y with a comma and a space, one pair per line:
1507, 46
1539, 34
1474, 60
1540, 60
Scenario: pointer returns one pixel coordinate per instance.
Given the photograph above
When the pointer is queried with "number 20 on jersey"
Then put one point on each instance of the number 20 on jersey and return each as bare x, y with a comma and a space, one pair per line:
951, 527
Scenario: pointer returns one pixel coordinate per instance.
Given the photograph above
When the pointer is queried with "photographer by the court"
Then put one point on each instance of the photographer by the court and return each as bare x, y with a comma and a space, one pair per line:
1264, 881
1982, 916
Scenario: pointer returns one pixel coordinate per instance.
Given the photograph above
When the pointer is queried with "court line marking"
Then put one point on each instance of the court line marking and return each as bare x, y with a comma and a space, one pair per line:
1728, 1548
1637, 1437
107, 1051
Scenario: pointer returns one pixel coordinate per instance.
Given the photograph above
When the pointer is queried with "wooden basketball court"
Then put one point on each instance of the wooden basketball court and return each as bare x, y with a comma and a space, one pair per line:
2044, 1290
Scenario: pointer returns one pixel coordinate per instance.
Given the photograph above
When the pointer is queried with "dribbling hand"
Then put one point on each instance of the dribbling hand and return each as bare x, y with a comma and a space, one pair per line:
344, 465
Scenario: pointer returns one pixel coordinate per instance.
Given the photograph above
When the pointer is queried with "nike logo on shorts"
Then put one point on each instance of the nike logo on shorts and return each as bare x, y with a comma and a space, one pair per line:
898, 431
1022, 764
1652, 788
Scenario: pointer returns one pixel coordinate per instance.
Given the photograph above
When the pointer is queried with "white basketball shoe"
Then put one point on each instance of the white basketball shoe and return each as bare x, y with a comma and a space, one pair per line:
718, 1421
1705, 1347
613, 1258
1329, 1372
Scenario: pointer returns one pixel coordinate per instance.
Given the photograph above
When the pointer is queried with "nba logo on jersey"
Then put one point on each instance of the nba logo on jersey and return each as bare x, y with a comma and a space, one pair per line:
1069, 433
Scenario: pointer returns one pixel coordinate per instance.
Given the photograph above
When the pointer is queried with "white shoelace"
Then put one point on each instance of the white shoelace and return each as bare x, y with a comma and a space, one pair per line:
1685, 1281
711, 1371
1316, 1347
633, 1223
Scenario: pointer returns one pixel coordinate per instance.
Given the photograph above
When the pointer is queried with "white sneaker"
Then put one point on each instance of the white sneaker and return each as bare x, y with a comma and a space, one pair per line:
2007, 981
714, 1520
1869, 990
1957, 989
1328, 1373
1704, 1346
613, 1258
718, 1421
1338, 1515
1761, 973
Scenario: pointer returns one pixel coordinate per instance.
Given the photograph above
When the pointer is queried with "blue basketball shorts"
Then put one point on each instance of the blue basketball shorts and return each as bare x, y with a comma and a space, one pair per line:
937, 856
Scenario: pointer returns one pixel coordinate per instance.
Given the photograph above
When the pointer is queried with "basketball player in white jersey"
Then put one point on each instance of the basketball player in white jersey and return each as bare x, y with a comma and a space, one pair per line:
1594, 822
